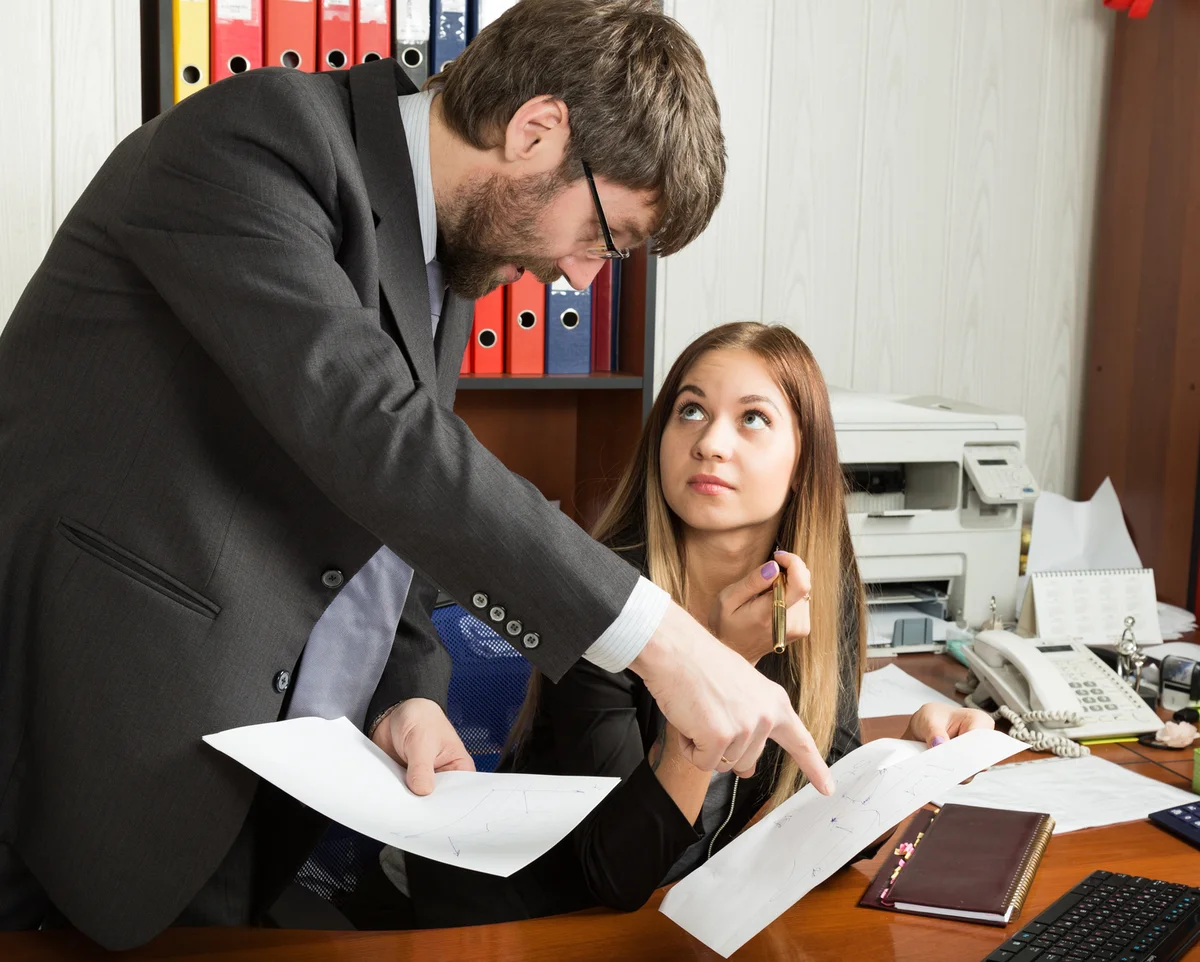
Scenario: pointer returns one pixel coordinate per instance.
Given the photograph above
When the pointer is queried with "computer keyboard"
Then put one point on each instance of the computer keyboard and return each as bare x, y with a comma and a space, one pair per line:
1183, 820
1110, 918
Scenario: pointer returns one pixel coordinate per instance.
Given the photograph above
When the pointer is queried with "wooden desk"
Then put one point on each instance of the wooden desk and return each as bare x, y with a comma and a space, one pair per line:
825, 925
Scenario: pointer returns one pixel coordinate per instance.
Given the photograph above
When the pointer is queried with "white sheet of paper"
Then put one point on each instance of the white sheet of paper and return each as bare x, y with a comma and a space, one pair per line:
490, 822
1174, 622
769, 867
1079, 792
1080, 535
893, 691
1184, 649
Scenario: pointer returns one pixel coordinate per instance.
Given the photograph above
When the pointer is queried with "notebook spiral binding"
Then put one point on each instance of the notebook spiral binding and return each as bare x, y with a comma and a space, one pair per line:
1030, 862
1088, 572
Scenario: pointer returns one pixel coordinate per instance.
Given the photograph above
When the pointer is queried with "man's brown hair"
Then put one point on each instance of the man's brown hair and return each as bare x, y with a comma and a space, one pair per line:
642, 110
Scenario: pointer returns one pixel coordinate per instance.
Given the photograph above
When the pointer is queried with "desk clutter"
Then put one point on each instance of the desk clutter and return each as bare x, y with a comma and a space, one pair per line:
769, 867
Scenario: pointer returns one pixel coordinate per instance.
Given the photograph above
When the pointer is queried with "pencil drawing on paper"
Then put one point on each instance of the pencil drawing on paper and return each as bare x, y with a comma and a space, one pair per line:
498, 818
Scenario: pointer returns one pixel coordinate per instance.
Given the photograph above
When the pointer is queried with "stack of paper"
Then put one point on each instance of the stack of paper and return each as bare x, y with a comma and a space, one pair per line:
1175, 622
1078, 792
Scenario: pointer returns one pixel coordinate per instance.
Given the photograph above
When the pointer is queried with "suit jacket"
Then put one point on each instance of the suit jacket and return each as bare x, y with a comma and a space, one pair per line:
594, 722
220, 384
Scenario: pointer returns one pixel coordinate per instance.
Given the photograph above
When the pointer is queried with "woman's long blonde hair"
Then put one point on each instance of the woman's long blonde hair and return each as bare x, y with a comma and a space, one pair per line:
813, 526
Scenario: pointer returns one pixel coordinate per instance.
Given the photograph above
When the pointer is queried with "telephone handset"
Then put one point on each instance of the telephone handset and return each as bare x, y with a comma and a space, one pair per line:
1057, 675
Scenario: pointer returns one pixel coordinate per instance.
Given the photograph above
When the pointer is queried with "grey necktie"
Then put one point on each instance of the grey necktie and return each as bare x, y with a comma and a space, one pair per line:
348, 649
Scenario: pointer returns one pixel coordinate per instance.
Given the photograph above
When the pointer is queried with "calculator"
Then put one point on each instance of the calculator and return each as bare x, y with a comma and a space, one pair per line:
1183, 820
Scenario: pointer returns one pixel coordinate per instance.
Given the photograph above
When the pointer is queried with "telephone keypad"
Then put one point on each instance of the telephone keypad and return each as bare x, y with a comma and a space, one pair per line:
1096, 693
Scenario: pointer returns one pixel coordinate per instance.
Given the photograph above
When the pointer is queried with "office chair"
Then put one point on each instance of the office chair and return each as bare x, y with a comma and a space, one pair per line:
487, 687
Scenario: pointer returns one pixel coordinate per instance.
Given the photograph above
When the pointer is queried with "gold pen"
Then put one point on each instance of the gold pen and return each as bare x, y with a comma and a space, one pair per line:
779, 613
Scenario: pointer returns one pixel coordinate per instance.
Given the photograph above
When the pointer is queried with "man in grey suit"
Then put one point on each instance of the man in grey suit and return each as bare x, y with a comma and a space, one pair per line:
226, 416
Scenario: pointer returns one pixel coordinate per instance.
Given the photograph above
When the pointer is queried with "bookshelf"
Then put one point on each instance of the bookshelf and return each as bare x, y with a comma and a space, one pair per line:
570, 435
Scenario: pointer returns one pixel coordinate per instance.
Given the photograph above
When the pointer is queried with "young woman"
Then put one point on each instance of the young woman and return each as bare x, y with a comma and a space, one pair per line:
735, 478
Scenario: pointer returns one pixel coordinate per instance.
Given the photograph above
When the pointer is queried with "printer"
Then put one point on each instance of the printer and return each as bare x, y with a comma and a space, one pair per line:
935, 496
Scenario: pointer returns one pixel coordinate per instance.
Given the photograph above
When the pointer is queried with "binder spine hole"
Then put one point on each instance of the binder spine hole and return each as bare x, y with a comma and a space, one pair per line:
336, 59
289, 58
238, 64
527, 320
570, 320
487, 337
191, 74
368, 57
412, 57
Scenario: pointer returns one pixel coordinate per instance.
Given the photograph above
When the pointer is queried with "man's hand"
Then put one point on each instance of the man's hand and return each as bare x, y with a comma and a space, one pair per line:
741, 617
418, 735
723, 708
935, 724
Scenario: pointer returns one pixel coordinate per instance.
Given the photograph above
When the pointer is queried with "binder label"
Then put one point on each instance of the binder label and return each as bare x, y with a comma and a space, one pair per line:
454, 6
371, 11
412, 18
235, 10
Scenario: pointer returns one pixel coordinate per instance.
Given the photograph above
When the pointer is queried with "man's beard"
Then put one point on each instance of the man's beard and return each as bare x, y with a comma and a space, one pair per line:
492, 223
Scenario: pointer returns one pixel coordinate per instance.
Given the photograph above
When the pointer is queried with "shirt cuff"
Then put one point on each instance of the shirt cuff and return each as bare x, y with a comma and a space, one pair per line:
625, 638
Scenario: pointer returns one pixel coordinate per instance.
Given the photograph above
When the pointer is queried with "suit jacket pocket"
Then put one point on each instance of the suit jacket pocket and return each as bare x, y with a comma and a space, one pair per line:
129, 564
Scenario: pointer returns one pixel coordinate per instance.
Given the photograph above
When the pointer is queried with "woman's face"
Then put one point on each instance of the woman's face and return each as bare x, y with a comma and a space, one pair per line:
728, 453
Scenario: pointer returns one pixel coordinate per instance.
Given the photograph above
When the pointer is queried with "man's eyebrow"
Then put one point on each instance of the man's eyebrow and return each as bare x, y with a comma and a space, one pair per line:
632, 231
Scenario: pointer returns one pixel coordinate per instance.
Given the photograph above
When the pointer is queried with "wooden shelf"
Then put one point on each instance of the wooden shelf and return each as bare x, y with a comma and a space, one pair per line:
596, 381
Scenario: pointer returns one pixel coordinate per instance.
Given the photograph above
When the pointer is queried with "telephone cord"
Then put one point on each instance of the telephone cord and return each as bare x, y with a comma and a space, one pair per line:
1039, 741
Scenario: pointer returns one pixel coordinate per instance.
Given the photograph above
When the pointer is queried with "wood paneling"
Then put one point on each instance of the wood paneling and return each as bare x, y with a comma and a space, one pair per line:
924, 184
1141, 421
26, 139
1061, 237
814, 174
69, 91
719, 276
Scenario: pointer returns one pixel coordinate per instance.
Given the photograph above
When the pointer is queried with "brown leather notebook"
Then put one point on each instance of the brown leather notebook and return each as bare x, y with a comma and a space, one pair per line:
962, 862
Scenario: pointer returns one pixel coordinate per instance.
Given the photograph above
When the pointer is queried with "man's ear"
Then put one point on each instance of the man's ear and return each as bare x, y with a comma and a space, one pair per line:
537, 134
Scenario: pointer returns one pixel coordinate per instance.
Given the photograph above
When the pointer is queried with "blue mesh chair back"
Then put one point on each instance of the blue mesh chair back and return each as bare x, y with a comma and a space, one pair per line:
488, 684
487, 688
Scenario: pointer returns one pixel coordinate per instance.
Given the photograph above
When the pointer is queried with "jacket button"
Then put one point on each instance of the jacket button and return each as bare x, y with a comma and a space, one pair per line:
496, 614
531, 640
479, 599
332, 578
282, 680
513, 628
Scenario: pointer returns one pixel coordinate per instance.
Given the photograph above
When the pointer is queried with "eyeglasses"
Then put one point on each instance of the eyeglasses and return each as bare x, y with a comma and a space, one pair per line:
610, 251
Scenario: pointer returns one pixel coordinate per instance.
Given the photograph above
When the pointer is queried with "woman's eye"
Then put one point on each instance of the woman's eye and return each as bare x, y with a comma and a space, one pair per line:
756, 420
691, 412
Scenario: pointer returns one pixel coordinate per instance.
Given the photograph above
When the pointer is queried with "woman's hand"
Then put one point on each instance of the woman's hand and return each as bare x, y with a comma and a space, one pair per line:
935, 724
741, 615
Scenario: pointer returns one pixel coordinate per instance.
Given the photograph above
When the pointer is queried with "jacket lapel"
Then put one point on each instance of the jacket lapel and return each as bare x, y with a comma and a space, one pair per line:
454, 330
383, 156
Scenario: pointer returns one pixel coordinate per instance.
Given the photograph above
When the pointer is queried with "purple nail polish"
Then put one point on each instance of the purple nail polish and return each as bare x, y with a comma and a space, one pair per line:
770, 570
937, 740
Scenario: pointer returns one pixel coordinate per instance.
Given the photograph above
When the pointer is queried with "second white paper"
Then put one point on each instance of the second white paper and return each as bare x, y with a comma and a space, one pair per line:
769, 867
891, 690
491, 822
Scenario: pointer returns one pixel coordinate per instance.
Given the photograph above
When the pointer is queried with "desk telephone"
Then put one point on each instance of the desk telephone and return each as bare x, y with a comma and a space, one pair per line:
1057, 675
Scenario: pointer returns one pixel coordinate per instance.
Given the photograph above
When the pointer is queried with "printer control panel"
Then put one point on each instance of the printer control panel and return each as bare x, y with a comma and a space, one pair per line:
999, 474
